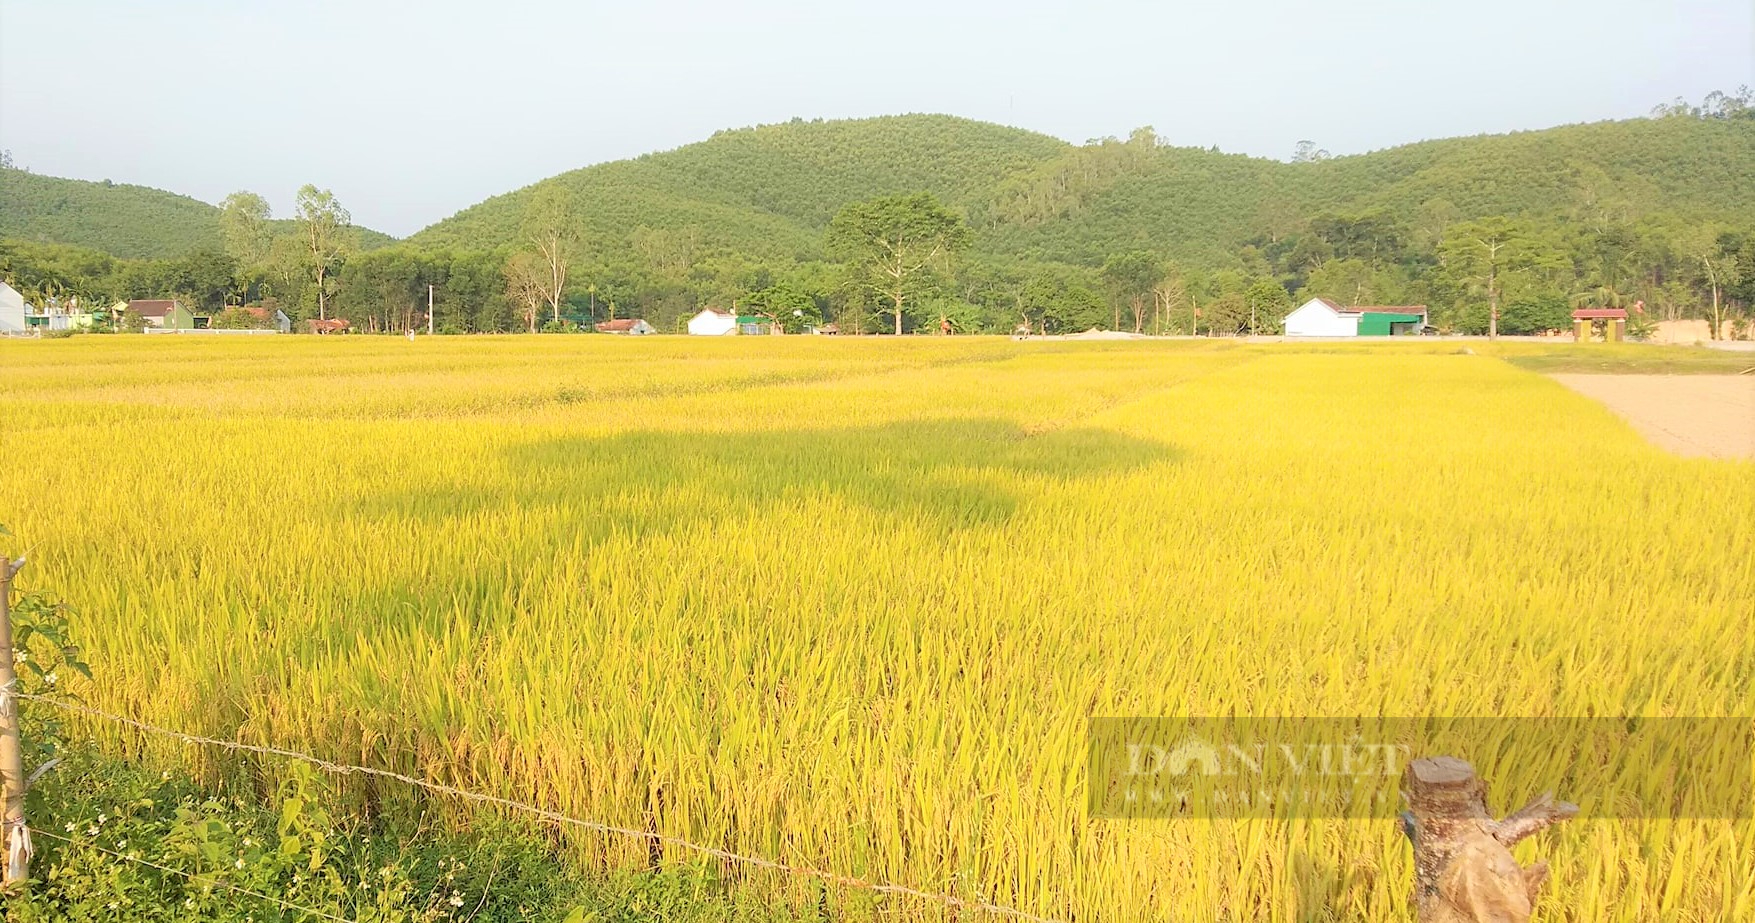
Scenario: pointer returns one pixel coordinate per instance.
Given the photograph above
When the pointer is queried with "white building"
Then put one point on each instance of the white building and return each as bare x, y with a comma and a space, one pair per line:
11, 310
1320, 317
713, 323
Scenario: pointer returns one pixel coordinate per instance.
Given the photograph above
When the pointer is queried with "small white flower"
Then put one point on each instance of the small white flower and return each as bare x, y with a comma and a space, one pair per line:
50, 678
238, 864
70, 828
20, 656
456, 899
103, 818
92, 831
247, 842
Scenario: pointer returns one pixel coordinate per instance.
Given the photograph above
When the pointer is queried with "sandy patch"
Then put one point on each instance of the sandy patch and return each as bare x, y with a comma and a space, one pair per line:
1691, 415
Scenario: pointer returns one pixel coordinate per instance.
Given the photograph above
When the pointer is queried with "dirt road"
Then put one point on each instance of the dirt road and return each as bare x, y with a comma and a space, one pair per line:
1691, 415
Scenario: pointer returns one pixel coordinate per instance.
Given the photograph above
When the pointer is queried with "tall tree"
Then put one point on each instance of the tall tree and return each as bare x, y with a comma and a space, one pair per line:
1130, 277
1483, 253
527, 285
1168, 292
1714, 257
893, 246
243, 218
326, 233
551, 225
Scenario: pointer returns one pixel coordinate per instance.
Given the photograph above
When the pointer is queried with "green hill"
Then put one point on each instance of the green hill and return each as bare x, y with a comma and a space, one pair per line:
1200, 204
767, 193
116, 218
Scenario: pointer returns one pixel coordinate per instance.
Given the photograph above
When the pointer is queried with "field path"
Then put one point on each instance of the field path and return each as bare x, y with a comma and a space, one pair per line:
1691, 415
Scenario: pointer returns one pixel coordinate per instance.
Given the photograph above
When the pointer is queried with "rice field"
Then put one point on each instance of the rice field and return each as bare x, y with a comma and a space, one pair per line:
850, 603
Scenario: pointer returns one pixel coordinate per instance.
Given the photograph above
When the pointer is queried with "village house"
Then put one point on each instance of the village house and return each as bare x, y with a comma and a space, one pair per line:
1320, 317
162, 313
713, 322
276, 320
631, 326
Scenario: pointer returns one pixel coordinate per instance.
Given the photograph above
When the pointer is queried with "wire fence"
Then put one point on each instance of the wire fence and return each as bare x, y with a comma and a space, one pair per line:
545, 814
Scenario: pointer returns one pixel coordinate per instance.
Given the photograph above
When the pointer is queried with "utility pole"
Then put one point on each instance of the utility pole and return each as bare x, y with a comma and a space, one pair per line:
429, 309
17, 837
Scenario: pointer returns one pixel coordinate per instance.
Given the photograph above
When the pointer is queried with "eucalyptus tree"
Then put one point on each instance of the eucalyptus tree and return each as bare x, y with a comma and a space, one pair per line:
895, 247
326, 229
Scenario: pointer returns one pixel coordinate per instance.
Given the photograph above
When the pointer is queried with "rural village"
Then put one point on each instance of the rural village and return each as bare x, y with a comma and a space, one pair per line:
794, 463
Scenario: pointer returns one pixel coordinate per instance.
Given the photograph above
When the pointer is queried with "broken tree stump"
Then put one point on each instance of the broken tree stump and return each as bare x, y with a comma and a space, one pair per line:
1463, 868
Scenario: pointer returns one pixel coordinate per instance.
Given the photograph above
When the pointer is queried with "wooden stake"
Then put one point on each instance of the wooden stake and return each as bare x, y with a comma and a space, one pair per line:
17, 835
1463, 868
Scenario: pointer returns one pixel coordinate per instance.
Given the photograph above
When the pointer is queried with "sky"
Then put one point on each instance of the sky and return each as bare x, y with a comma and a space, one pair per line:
412, 110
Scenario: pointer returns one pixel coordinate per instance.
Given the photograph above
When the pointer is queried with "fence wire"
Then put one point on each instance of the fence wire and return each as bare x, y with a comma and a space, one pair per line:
555, 817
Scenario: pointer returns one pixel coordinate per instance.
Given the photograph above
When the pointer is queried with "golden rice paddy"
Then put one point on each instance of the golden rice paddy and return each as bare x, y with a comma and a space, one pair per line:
850, 603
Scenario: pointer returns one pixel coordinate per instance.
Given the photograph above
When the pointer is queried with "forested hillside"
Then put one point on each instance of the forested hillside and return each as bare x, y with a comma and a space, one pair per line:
122, 220
762, 193
1201, 205
1656, 215
768, 192
131, 222
1638, 212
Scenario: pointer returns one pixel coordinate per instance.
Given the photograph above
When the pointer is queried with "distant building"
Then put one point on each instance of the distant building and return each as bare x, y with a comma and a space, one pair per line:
11, 310
59, 318
276, 319
1320, 317
630, 326
332, 325
756, 325
163, 313
713, 322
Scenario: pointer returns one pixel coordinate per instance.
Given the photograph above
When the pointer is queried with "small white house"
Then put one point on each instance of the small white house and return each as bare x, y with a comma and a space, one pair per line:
1320, 317
11, 310
713, 323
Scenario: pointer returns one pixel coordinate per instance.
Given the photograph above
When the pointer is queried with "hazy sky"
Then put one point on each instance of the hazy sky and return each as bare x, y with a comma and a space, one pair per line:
412, 110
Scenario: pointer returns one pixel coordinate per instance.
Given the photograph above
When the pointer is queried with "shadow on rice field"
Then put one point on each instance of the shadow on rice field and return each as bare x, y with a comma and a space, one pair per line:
947, 474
